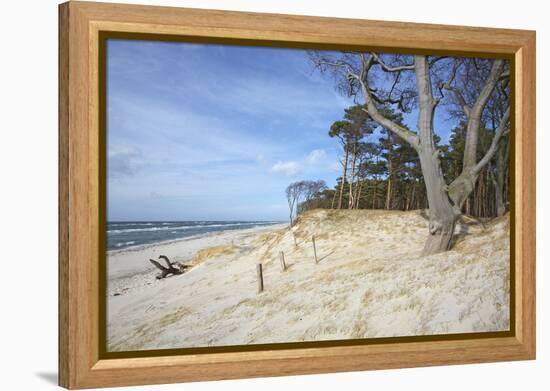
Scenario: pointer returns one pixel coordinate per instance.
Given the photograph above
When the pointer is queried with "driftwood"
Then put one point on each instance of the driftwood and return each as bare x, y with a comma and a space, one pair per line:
173, 268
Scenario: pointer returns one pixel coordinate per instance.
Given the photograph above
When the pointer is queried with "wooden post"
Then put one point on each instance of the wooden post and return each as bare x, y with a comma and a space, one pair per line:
314, 249
260, 275
283, 264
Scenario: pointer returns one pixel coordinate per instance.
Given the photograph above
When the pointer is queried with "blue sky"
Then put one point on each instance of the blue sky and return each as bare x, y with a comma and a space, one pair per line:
213, 132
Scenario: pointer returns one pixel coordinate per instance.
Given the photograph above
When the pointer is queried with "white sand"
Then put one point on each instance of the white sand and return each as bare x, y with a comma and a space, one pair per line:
369, 282
129, 268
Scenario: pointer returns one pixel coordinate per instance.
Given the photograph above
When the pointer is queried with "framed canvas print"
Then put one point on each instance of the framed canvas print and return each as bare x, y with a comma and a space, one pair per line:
248, 195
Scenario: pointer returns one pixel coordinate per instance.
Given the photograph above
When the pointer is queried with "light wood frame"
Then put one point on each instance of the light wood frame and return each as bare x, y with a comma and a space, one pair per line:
80, 23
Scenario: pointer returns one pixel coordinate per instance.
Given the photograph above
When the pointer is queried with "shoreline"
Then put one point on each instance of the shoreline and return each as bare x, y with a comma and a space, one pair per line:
138, 247
368, 282
128, 267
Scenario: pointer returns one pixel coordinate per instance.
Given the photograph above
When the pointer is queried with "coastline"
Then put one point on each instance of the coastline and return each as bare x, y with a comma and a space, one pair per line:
139, 247
128, 266
369, 282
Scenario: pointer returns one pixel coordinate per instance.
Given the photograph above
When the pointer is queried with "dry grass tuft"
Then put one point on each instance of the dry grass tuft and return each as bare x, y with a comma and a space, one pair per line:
212, 252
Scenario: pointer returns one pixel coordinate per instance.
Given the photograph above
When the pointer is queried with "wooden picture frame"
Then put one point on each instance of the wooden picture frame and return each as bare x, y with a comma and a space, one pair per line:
81, 364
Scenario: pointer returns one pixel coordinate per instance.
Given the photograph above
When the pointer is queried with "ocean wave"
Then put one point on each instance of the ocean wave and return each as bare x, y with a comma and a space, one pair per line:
130, 224
186, 227
125, 244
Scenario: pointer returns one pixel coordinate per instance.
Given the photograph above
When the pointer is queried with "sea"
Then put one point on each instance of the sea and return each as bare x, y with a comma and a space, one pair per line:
124, 234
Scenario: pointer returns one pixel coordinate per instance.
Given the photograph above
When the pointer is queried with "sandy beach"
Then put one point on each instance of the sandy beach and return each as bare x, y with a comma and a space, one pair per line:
367, 284
129, 269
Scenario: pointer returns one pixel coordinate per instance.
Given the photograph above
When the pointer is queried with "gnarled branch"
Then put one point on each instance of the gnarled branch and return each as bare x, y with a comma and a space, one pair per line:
501, 131
387, 68
174, 268
474, 119
448, 85
373, 111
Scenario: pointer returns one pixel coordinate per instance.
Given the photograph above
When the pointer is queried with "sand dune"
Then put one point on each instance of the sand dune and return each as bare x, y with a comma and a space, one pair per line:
369, 282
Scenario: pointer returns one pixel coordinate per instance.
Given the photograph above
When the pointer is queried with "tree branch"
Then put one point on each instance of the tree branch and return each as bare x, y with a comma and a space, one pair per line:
434, 60
452, 76
395, 81
474, 119
373, 111
448, 85
344, 65
504, 75
385, 67
361, 77
501, 131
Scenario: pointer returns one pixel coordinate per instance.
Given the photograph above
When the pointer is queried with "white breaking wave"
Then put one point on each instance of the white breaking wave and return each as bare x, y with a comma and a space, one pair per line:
167, 228
125, 244
132, 224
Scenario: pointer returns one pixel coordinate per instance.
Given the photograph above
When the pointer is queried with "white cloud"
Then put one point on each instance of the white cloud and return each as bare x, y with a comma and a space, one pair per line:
289, 168
315, 156
123, 160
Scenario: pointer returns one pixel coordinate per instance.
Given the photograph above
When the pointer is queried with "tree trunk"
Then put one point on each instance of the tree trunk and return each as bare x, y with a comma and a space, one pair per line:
411, 199
343, 178
499, 193
389, 189
498, 176
352, 177
499, 201
375, 185
390, 173
359, 194
442, 215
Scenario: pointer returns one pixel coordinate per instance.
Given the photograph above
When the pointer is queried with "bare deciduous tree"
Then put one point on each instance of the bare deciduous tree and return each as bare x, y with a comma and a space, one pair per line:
300, 194
310, 190
405, 82
293, 193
